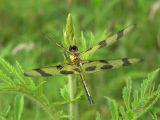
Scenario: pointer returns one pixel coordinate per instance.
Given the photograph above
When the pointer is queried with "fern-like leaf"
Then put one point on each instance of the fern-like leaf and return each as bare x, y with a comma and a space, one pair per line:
12, 80
142, 102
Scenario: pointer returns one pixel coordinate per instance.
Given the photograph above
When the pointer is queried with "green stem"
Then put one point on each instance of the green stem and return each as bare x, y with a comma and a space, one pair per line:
72, 89
69, 39
37, 112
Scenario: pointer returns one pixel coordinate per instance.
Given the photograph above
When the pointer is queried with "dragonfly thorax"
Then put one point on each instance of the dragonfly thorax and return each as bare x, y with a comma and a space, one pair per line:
74, 57
74, 54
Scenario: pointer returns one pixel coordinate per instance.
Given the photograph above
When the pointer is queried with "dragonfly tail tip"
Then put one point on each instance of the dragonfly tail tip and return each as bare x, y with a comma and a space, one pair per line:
90, 100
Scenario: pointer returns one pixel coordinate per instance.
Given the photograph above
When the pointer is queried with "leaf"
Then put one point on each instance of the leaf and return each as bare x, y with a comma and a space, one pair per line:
5, 78
39, 88
24, 87
60, 102
64, 93
140, 104
135, 102
19, 67
22, 72
6, 110
78, 96
18, 107
4, 86
11, 70
147, 100
122, 111
66, 116
153, 114
69, 36
98, 116
127, 94
62, 115
113, 108
83, 41
147, 82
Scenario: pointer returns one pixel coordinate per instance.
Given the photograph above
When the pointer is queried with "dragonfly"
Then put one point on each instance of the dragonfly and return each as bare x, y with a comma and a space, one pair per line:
78, 66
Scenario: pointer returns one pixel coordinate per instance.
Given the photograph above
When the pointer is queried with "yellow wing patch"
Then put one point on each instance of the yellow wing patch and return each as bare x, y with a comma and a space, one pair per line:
97, 65
109, 41
65, 69
89, 66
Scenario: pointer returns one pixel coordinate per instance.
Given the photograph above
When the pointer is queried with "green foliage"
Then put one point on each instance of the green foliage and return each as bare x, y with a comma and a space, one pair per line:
98, 116
4, 113
153, 114
127, 94
14, 81
68, 32
23, 22
18, 107
65, 93
143, 100
113, 108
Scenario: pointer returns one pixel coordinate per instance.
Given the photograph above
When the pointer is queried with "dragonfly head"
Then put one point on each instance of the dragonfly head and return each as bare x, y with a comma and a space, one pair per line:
73, 48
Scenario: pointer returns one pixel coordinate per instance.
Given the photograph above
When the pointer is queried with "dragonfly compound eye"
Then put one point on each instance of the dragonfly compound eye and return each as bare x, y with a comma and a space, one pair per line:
73, 48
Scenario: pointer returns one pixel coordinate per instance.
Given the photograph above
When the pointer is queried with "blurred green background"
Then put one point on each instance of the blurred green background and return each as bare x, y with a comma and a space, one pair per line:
23, 22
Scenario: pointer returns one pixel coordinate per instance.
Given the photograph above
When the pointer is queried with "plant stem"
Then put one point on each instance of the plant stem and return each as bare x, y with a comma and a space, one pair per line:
72, 89
69, 39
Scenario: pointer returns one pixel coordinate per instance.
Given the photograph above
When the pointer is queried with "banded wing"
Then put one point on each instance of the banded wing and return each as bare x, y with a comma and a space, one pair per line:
64, 69
109, 41
97, 65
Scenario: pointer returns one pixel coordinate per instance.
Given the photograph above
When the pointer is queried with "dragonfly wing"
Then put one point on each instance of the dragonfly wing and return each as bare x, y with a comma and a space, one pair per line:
97, 65
65, 69
109, 41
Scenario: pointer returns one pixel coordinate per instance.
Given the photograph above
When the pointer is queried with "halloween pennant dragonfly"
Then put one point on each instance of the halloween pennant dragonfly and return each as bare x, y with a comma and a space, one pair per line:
77, 66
